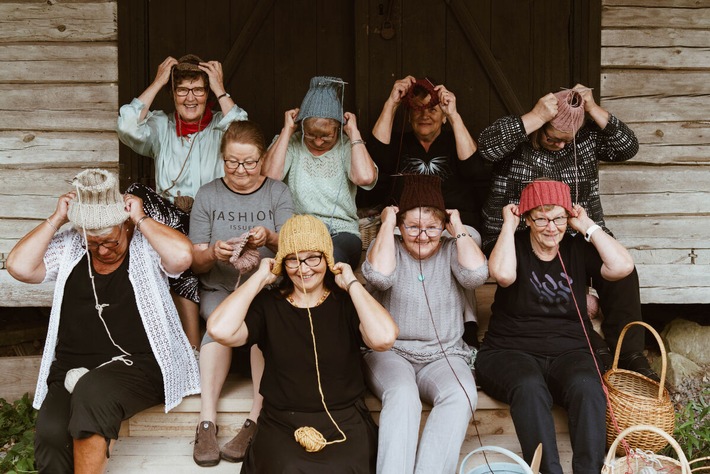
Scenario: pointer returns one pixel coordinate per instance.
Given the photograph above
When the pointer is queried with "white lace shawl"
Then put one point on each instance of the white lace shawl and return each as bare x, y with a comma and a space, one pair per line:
160, 319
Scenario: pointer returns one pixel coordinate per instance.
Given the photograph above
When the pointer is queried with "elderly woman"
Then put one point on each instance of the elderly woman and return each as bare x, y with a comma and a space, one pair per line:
242, 202
185, 147
322, 167
537, 351
114, 344
420, 277
310, 329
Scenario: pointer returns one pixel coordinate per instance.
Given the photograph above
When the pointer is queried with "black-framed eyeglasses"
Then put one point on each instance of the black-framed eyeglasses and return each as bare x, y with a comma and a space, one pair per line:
429, 231
196, 91
544, 221
248, 165
109, 244
554, 140
312, 261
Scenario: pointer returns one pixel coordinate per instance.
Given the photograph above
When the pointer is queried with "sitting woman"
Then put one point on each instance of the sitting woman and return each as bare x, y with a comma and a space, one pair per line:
310, 329
421, 277
537, 349
322, 167
242, 203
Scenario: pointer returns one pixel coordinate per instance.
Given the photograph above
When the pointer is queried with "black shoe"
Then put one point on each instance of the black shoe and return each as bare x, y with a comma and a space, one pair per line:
605, 358
470, 334
638, 362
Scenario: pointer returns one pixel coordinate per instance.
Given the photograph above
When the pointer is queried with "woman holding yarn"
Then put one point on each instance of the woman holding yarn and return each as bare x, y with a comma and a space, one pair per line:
324, 163
310, 328
537, 350
241, 205
420, 277
114, 344
185, 147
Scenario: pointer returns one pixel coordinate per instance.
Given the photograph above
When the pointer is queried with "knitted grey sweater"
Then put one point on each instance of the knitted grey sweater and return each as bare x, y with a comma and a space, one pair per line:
409, 300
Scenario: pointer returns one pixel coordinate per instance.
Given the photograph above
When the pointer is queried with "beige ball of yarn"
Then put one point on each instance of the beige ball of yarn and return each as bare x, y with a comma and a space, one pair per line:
310, 438
73, 377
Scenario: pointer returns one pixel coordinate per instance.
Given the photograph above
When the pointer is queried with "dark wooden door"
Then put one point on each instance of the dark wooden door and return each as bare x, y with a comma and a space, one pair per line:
498, 56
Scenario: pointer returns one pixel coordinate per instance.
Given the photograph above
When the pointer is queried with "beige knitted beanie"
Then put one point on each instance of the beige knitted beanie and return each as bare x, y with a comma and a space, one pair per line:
98, 203
303, 233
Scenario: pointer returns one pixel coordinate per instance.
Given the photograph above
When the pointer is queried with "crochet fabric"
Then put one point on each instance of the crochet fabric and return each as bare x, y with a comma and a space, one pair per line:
162, 325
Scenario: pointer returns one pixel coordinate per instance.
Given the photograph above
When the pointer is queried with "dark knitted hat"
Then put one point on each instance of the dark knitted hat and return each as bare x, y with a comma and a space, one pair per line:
421, 190
323, 99
541, 193
570, 111
189, 62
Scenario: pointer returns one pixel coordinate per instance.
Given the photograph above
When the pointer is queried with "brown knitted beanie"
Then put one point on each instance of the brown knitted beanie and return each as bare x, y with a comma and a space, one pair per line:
540, 193
98, 204
570, 111
421, 190
303, 233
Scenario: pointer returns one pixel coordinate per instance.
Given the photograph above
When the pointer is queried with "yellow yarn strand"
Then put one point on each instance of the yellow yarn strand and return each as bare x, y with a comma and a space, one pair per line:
307, 436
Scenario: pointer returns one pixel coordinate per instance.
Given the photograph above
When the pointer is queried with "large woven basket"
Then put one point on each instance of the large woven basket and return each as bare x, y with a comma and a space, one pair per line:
638, 400
639, 462
369, 226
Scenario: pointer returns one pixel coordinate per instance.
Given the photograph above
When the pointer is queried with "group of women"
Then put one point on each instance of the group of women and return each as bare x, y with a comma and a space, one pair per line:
308, 320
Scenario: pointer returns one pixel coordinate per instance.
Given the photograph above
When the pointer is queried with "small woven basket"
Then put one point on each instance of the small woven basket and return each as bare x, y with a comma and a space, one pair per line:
639, 462
517, 467
369, 226
637, 400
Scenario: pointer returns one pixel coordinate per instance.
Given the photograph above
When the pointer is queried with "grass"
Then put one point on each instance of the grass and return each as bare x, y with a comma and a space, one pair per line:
692, 431
17, 425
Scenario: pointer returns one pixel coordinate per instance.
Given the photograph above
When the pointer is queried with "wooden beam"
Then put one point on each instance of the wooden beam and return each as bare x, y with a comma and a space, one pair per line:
246, 36
482, 50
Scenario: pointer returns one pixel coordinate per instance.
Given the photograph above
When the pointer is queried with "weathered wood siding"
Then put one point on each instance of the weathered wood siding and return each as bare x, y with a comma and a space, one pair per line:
59, 89
655, 63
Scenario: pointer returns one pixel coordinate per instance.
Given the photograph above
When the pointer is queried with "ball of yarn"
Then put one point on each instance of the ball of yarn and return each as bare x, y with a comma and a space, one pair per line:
73, 377
310, 438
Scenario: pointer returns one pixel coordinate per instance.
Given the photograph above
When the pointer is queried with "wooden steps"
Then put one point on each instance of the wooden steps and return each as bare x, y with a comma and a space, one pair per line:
154, 441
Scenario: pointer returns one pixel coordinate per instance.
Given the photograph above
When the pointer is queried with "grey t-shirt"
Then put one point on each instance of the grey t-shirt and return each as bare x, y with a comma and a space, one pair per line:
219, 213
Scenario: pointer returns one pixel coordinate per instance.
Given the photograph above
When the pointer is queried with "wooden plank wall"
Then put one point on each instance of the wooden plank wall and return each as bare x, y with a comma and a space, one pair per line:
59, 88
655, 62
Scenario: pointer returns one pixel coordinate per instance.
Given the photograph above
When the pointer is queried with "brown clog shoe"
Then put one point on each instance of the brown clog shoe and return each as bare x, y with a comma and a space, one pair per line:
206, 449
235, 449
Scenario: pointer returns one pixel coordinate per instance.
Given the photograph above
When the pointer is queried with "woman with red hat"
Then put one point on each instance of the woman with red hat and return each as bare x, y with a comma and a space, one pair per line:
537, 351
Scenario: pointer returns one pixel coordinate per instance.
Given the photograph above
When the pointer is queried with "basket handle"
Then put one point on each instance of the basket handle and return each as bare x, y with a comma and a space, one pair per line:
496, 449
700, 468
679, 452
660, 346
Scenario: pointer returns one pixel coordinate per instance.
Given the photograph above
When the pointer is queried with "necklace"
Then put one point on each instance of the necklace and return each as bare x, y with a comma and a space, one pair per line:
290, 299
541, 257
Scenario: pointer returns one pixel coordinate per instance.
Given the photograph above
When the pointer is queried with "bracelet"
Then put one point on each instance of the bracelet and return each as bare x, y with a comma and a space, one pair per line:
590, 231
463, 234
357, 142
138, 224
347, 287
224, 95
52, 225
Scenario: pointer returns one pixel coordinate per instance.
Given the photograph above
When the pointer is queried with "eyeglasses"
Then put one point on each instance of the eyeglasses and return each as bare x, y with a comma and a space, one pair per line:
429, 231
234, 165
196, 91
109, 244
554, 140
312, 261
544, 221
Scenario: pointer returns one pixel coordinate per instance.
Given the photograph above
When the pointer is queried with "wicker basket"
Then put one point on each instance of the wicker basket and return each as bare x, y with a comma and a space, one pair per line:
638, 400
639, 462
698, 468
369, 226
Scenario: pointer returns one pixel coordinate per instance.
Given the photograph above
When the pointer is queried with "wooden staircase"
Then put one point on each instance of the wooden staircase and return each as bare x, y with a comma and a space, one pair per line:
156, 442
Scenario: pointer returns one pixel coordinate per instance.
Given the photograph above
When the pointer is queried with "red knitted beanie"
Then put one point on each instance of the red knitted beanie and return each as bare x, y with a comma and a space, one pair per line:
541, 193
570, 111
421, 190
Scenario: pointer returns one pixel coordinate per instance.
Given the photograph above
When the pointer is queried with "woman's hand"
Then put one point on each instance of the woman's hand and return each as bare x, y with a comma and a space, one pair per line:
162, 77
587, 95
388, 216
222, 251
259, 235
350, 127
447, 100
213, 69
344, 274
134, 207
546, 108
290, 125
400, 89
511, 216
454, 221
264, 271
580, 221
61, 213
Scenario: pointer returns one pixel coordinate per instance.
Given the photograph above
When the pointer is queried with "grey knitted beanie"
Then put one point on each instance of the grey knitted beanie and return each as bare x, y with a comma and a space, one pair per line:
98, 203
323, 99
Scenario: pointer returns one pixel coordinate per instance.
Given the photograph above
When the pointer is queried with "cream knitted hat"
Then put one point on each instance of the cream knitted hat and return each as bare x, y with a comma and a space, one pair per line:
98, 203
303, 233
323, 99
570, 111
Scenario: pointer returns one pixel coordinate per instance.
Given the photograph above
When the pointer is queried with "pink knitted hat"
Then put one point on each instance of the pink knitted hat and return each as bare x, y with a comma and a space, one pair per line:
570, 111
540, 193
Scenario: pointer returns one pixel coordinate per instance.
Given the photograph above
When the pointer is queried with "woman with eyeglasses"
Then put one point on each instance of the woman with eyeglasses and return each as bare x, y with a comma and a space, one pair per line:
310, 327
537, 350
324, 163
421, 278
185, 147
243, 201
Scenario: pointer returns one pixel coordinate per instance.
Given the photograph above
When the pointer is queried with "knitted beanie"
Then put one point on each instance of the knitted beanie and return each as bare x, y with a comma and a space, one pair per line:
570, 111
303, 233
421, 190
98, 203
189, 62
323, 99
540, 193
419, 86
